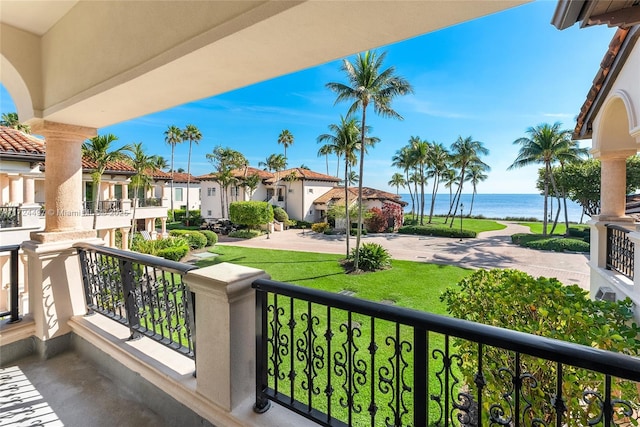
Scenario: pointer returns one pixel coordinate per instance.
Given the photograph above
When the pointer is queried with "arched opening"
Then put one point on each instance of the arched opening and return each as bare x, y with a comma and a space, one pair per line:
18, 90
613, 130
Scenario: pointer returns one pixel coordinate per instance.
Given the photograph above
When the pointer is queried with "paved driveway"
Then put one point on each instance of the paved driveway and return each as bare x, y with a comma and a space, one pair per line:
491, 249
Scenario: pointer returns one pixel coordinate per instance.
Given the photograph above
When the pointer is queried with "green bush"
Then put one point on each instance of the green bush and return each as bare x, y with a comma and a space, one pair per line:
545, 307
280, 215
173, 248
320, 227
557, 244
581, 232
212, 238
250, 213
195, 239
436, 230
174, 253
354, 232
245, 234
372, 257
300, 224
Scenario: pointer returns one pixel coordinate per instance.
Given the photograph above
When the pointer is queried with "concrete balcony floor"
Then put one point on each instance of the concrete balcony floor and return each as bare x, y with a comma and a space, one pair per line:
67, 390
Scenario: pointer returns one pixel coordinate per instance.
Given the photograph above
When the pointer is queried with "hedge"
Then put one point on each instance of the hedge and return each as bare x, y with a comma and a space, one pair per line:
196, 239
436, 230
212, 238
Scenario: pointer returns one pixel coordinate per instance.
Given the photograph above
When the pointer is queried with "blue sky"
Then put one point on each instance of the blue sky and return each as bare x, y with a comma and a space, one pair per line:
490, 78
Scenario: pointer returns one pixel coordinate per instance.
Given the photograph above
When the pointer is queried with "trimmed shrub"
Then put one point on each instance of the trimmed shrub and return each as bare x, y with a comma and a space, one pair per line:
195, 239
372, 257
245, 234
300, 224
436, 230
173, 248
212, 238
320, 227
280, 215
174, 253
250, 213
544, 307
557, 244
354, 232
376, 221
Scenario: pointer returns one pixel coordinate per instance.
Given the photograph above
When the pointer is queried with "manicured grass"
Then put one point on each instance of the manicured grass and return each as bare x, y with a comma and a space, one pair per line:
536, 227
409, 284
471, 224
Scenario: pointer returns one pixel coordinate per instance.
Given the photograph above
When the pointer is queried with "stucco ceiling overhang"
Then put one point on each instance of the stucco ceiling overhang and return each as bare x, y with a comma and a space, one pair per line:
96, 63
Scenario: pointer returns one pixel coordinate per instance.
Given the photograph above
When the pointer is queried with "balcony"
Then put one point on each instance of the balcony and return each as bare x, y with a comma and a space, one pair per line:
301, 356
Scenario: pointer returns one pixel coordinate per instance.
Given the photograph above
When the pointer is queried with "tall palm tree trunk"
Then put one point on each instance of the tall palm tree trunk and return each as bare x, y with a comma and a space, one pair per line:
172, 210
436, 182
458, 196
362, 149
186, 213
413, 203
346, 204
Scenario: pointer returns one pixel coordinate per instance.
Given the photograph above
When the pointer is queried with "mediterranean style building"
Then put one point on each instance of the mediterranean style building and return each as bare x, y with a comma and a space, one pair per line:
304, 194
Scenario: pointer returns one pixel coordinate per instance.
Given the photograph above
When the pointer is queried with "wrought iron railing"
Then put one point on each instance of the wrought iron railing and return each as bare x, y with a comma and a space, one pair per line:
340, 361
151, 202
144, 292
103, 207
10, 216
620, 251
14, 310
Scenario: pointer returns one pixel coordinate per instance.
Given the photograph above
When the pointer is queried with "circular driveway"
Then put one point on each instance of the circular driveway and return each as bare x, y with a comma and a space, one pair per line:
492, 249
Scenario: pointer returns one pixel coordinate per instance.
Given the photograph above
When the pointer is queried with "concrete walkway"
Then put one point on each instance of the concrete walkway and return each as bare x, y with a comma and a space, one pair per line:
492, 249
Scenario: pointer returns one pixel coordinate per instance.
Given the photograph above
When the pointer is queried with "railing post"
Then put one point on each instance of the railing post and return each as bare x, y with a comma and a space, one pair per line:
126, 272
262, 403
225, 322
420, 372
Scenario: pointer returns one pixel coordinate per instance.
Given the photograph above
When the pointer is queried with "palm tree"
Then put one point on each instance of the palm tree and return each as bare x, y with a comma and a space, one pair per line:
476, 175
352, 178
419, 151
250, 183
172, 136
344, 141
438, 161
397, 180
192, 134
573, 154
465, 152
98, 150
225, 160
11, 120
545, 144
274, 163
160, 162
142, 178
402, 159
286, 139
368, 85
325, 150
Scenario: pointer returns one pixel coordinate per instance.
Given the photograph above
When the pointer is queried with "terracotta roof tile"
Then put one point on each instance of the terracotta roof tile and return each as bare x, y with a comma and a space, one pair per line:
240, 173
183, 177
117, 166
303, 174
336, 195
605, 68
15, 142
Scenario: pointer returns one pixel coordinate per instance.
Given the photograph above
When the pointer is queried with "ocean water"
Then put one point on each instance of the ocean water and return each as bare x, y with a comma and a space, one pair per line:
501, 206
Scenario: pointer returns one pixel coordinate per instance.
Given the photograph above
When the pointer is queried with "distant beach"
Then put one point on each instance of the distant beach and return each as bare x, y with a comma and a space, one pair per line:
501, 206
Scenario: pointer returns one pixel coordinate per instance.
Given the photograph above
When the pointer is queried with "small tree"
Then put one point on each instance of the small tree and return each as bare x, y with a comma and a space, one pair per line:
251, 213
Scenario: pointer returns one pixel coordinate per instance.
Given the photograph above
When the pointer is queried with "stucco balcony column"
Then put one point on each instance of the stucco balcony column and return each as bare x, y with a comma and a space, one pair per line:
15, 189
613, 181
125, 191
125, 237
29, 191
63, 178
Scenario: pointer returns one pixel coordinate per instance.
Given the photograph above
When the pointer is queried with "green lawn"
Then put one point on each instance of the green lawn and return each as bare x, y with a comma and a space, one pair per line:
536, 227
472, 224
408, 284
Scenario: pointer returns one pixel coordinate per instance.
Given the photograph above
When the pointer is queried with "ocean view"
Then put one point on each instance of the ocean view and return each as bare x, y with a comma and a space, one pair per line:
501, 206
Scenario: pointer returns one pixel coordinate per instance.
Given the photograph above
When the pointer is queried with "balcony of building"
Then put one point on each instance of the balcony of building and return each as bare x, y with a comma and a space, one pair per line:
226, 346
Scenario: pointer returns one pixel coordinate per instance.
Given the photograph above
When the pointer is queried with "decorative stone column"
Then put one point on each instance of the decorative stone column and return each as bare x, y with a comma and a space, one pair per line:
15, 190
163, 223
55, 282
125, 237
613, 180
29, 190
125, 191
225, 325
63, 180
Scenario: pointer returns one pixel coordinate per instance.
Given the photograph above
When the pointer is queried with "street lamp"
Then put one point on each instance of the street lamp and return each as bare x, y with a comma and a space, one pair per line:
461, 209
